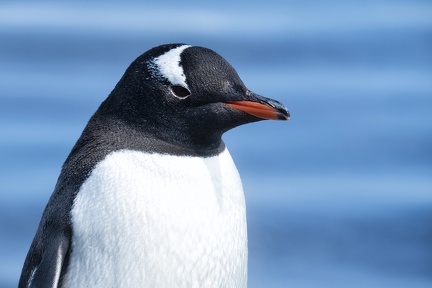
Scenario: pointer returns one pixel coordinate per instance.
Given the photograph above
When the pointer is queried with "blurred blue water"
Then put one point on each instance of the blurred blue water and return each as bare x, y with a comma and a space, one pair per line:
339, 196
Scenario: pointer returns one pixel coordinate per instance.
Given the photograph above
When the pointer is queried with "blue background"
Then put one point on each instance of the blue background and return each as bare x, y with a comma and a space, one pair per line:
339, 196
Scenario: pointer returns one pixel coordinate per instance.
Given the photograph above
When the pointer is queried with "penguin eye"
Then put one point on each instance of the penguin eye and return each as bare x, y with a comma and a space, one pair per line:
180, 91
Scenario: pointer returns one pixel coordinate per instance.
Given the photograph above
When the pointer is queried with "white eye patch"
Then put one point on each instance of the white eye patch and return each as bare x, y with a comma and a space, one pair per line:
168, 66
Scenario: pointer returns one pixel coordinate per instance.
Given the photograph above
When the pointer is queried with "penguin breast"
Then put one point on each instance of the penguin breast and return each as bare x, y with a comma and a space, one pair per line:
152, 220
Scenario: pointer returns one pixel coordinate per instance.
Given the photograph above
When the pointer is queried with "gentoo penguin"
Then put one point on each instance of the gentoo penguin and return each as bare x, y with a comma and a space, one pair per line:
149, 195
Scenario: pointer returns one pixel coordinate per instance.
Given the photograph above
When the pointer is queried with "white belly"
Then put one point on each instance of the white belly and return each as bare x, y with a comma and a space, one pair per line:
149, 220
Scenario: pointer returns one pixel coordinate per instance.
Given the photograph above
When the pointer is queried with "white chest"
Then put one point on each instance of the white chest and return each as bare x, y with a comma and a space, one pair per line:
149, 220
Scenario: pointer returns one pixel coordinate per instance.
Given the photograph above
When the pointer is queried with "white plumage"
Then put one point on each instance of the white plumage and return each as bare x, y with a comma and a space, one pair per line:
168, 66
155, 220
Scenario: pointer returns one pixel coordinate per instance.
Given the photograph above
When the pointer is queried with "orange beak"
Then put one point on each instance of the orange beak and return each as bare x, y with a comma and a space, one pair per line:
261, 110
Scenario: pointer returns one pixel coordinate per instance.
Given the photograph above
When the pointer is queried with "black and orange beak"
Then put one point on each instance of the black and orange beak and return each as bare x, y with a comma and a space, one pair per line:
261, 107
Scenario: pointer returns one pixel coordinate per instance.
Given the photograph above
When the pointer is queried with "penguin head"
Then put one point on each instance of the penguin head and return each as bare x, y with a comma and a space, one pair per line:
187, 95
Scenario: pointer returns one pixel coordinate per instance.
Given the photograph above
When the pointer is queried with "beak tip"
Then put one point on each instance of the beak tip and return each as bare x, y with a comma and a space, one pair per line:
283, 116
286, 116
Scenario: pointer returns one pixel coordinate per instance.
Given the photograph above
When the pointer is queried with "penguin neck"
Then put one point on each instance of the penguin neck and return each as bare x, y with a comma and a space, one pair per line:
174, 142
116, 134
197, 139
